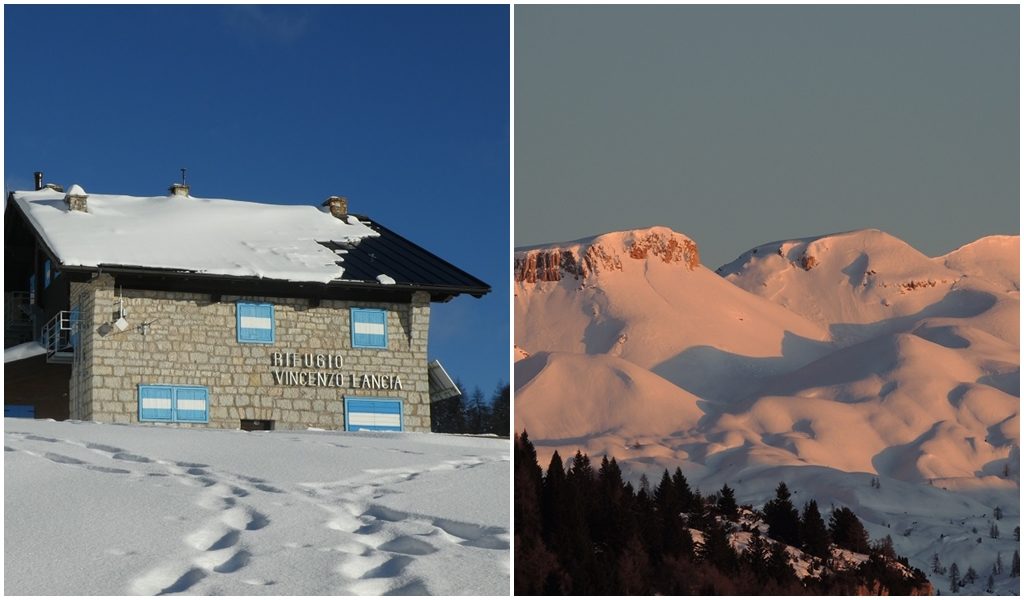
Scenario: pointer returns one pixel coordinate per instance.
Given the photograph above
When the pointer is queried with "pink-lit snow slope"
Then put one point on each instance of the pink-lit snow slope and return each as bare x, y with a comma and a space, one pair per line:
825, 362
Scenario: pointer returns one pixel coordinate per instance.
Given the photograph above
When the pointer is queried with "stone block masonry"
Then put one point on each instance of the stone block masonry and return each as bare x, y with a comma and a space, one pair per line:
192, 340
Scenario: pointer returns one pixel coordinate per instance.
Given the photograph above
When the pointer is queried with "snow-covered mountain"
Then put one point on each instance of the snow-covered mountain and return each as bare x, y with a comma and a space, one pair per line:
828, 361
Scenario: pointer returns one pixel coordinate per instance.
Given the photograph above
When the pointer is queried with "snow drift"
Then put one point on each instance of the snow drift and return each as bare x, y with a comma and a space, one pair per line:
94, 509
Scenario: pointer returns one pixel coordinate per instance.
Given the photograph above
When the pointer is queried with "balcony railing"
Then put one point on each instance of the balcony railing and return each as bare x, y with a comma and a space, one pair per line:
59, 336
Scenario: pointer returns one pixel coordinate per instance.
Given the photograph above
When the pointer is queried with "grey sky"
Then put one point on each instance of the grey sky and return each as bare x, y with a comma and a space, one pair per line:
742, 125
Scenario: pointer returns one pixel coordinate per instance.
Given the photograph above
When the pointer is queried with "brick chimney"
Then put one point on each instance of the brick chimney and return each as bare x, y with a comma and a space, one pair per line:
76, 199
178, 189
338, 206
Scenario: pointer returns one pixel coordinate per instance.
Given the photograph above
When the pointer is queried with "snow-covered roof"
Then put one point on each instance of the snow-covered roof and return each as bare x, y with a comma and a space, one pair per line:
213, 236
22, 351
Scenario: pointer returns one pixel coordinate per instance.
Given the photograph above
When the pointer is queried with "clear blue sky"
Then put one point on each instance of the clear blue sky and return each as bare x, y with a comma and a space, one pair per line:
403, 109
740, 125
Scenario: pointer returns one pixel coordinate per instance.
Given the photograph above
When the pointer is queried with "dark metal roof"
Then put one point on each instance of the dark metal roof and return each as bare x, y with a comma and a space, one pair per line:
408, 264
412, 267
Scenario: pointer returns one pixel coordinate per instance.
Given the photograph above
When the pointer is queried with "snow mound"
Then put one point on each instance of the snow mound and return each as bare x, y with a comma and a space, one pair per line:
609, 395
995, 258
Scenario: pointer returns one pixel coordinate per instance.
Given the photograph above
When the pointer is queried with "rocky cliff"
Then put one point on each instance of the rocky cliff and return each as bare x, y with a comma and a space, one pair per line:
585, 258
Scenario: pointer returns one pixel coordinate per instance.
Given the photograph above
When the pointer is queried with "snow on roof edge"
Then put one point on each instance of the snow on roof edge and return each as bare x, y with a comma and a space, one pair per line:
23, 351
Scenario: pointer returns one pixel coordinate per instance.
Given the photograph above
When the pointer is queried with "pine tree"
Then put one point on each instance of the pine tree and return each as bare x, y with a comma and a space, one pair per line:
633, 570
993, 531
665, 494
998, 513
755, 556
954, 578
971, 576
884, 548
675, 540
990, 585
937, 567
847, 531
1015, 566
1016, 533
501, 417
997, 568
717, 550
683, 493
778, 565
477, 413
449, 415
553, 500
813, 531
645, 486
727, 503
782, 517
535, 565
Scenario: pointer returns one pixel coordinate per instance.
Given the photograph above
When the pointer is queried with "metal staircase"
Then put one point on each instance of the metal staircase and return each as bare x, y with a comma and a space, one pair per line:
59, 337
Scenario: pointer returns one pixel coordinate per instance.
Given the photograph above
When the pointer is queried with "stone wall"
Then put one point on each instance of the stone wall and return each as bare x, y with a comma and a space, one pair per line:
193, 341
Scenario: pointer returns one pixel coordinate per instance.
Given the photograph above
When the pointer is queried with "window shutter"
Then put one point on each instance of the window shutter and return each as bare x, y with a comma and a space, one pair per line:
369, 328
255, 322
19, 411
191, 404
156, 402
373, 414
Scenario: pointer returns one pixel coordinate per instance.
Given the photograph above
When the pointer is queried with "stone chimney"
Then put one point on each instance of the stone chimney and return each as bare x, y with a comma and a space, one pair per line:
338, 206
178, 189
39, 180
76, 199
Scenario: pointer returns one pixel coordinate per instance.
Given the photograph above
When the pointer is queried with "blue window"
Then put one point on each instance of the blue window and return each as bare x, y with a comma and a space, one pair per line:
46, 273
369, 328
174, 403
373, 414
19, 411
255, 322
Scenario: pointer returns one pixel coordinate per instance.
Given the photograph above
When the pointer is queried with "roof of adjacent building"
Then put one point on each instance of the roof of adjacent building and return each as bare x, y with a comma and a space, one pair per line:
234, 239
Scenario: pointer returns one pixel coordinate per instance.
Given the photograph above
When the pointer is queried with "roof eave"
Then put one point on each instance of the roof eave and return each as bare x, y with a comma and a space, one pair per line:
438, 293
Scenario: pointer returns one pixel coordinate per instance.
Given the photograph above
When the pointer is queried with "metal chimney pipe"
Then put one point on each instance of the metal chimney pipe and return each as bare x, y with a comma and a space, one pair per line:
39, 180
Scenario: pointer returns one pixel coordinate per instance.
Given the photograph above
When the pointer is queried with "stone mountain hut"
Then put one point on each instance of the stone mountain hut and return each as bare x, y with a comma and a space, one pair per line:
218, 313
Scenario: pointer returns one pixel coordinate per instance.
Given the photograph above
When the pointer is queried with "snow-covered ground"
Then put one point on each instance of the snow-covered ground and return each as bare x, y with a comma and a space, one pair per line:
94, 509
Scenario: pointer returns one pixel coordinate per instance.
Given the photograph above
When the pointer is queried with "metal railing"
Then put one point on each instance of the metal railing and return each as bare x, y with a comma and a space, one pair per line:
59, 336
